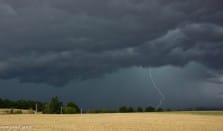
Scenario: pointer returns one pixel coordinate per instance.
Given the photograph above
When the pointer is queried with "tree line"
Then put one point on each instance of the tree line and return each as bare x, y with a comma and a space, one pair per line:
55, 106
21, 104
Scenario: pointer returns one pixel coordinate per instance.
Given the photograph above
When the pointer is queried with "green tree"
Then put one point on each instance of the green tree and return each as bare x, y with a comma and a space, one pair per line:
22, 104
159, 110
75, 106
169, 110
139, 109
53, 107
69, 110
104, 111
46, 108
123, 109
150, 109
130, 109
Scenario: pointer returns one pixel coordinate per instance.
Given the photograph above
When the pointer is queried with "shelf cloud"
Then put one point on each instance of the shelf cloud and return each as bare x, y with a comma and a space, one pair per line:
54, 41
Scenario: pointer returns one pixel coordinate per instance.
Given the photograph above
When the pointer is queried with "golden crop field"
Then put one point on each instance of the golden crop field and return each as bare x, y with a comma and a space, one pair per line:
113, 122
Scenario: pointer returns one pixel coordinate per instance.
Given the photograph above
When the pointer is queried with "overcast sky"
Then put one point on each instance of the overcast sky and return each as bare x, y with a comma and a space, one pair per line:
97, 53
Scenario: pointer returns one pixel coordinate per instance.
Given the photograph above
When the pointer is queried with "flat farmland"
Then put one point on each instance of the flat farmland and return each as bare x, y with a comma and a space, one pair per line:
167, 121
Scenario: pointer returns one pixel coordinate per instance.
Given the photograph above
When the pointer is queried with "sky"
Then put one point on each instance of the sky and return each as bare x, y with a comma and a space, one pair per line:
99, 53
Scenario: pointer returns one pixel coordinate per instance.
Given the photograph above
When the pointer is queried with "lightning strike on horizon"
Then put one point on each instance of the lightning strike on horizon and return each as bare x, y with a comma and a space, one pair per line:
162, 96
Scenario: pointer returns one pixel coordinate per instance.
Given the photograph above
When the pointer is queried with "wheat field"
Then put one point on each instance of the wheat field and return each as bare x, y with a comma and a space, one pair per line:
113, 122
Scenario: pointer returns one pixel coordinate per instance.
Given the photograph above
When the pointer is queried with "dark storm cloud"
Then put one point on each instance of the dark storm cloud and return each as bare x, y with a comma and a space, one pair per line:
54, 41
201, 43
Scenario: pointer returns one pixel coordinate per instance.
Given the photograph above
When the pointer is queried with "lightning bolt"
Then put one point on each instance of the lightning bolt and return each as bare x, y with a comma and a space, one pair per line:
162, 96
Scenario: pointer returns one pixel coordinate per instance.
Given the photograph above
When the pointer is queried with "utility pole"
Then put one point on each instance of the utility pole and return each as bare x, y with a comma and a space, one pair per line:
36, 108
61, 110
81, 111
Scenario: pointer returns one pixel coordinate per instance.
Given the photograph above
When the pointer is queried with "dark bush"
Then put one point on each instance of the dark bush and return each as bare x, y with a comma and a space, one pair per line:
130, 109
17, 112
69, 110
123, 109
150, 109
159, 110
139, 109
